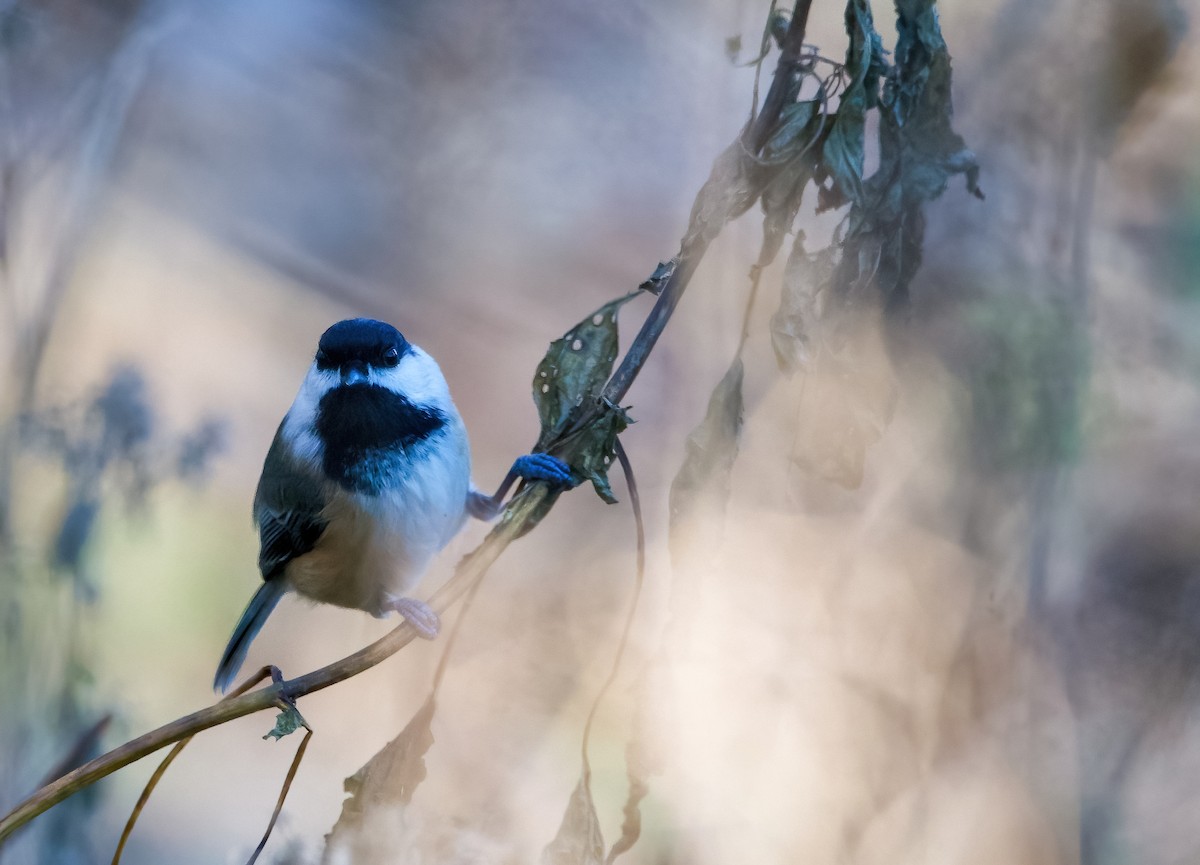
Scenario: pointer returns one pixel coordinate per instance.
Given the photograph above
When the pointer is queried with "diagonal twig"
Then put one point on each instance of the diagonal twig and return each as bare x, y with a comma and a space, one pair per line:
753, 137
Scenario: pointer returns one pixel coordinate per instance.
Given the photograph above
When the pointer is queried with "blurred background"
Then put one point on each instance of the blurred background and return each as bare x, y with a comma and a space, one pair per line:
952, 608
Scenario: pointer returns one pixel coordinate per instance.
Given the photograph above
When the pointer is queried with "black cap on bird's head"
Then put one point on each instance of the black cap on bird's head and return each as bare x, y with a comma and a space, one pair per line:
358, 343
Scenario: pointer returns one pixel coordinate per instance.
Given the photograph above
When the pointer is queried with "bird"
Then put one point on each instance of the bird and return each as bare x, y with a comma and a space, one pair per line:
367, 479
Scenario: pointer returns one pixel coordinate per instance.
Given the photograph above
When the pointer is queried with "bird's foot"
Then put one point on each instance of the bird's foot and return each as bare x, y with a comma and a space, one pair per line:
530, 467
418, 614
542, 467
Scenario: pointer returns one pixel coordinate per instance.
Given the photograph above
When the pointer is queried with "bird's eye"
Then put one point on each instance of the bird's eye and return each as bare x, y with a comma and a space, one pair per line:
321, 358
391, 357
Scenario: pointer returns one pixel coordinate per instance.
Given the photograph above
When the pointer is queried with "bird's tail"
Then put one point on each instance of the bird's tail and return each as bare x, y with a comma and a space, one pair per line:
247, 629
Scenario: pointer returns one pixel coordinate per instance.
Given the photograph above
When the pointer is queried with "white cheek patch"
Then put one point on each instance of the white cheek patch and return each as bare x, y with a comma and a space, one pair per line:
299, 425
417, 377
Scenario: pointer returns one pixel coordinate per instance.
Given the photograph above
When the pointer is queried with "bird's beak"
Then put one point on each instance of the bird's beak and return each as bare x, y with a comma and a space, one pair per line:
354, 373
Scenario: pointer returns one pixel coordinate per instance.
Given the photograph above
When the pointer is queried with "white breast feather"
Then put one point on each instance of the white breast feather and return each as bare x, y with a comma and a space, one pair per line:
377, 547
415, 519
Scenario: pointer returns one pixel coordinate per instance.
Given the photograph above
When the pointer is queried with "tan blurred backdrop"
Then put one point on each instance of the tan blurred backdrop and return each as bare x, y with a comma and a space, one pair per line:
982, 652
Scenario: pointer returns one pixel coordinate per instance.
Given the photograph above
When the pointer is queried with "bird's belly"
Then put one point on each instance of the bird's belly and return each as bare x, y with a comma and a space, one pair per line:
377, 547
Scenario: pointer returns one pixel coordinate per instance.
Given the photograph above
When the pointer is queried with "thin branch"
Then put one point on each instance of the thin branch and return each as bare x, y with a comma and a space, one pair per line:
791, 55
287, 785
631, 827
639, 579
763, 50
264, 673
523, 507
145, 797
753, 137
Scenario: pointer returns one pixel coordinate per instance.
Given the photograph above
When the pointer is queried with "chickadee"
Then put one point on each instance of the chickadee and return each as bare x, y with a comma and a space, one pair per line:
368, 477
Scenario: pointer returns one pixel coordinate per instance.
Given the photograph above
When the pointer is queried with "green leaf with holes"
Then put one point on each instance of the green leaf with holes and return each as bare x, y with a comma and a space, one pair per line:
593, 451
288, 721
576, 426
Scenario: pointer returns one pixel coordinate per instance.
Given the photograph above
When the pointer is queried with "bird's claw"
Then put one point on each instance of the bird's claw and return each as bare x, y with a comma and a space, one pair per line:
543, 467
418, 614
531, 467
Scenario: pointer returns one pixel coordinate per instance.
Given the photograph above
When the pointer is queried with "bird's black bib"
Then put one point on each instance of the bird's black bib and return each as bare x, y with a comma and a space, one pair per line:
370, 433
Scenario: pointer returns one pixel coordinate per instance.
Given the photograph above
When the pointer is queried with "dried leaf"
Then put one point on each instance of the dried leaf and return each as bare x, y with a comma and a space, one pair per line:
710, 452
648, 745
579, 840
795, 144
919, 153
641, 761
388, 779
631, 826
842, 152
795, 322
919, 108
795, 133
735, 183
848, 402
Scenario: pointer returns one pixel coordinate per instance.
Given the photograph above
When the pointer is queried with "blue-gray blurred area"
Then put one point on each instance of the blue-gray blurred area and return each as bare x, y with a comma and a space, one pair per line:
978, 641
359, 147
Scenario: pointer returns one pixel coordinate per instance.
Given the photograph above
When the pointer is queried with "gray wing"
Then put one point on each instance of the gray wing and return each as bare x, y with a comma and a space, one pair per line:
287, 510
